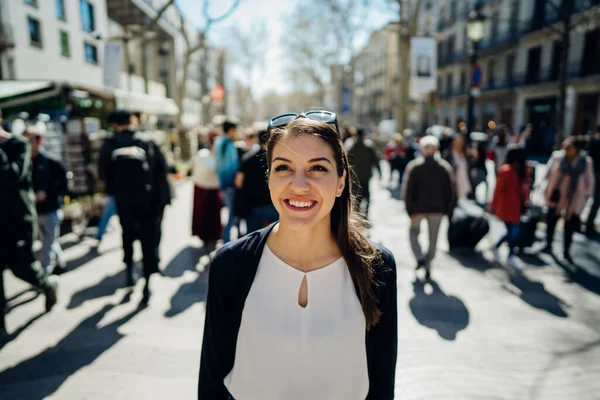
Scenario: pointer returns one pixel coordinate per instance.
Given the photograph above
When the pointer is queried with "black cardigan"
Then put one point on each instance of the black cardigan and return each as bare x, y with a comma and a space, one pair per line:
232, 272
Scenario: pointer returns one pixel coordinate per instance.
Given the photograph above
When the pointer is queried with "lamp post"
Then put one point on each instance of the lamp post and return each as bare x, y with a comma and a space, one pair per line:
475, 34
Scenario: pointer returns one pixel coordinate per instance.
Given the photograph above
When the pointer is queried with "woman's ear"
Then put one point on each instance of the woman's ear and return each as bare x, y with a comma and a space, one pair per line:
341, 185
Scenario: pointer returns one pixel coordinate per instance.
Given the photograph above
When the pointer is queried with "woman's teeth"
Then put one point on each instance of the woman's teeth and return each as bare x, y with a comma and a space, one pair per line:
300, 204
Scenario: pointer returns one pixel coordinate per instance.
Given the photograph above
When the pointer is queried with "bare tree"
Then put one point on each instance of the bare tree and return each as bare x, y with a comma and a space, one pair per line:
144, 39
319, 35
408, 14
200, 45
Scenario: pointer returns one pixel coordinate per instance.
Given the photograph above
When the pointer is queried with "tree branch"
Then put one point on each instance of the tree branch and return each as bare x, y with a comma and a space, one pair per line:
210, 20
554, 6
159, 15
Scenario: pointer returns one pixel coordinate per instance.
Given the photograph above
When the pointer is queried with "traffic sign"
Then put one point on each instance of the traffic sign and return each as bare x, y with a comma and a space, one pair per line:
476, 75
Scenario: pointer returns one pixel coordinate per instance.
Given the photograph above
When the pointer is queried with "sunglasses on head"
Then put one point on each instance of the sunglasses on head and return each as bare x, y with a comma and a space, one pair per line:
316, 115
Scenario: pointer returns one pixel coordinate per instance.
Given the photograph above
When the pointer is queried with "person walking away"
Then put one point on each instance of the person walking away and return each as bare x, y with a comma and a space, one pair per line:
251, 181
594, 153
523, 138
17, 219
479, 171
206, 218
428, 195
49, 178
395, 155
227, 157
510, 196
363, 159
570, 184
499, 146
134, 172
459, 158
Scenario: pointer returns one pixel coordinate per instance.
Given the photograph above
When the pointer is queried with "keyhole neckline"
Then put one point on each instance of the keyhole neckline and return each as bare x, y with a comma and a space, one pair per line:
320, 270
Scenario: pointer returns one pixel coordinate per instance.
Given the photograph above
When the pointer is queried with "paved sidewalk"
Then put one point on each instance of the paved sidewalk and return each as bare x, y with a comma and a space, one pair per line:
476, 332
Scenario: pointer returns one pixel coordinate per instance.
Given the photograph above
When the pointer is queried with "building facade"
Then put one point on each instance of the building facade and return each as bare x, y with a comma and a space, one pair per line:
519, 58
54, 40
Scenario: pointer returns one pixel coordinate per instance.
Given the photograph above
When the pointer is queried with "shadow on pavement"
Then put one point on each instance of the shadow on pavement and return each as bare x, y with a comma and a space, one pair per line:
448, 315
41, 375
12, 336
12, 306
106, 287
535, 294
472, 259
189, 294
532, 259
579, 275
185, 260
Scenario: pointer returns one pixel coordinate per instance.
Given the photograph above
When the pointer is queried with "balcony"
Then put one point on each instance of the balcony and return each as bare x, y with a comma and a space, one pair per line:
500, 42
454, 57
6, 37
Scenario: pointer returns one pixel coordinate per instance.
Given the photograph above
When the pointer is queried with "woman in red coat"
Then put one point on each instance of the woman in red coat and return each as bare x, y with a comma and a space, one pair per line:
510, 196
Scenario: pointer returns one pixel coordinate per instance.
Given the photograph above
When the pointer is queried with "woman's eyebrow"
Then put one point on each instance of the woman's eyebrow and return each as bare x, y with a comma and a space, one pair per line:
282, 159
320, 159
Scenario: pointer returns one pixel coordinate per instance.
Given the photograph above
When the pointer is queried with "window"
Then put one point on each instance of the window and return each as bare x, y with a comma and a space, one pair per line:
534, 61
35, 33
463, 81
87, 16
65, 49
91, 53
510, 69
60, 10
449, 85
491, 80
556, 56
31, 2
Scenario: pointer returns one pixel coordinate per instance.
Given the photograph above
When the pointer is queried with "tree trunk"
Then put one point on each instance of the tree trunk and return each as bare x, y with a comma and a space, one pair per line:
403, 81
566, 10
181, 91
144, 66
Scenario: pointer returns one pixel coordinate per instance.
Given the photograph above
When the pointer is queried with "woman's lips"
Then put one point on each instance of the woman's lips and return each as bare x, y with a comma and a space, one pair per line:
300, 205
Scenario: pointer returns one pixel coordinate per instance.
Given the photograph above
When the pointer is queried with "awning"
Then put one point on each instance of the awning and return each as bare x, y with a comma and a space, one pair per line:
15, 93
145, 103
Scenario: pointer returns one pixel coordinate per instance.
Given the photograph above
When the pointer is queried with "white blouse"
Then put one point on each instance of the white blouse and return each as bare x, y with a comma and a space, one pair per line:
285, 351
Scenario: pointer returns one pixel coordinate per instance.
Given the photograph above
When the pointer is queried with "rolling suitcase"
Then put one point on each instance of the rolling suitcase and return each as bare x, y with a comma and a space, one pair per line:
467, 227
529, 222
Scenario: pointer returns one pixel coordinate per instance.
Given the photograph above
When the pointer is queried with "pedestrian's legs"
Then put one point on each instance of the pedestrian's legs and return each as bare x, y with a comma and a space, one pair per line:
415, 230
551, 220
229, 200
433, 223
590, 224
146, 218
570, 227
46, 233
512, 234
366, 194
128, 226
109, 210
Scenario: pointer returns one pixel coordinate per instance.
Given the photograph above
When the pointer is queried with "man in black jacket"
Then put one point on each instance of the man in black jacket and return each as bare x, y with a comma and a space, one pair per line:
428, 193
363, 157
49, 185
135, 173
17, 219
594, 153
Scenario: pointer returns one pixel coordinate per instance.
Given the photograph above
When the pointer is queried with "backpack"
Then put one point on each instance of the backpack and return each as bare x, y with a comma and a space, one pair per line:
133, 166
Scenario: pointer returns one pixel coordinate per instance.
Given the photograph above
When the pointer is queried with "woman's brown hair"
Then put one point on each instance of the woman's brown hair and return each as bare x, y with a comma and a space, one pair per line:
346, 225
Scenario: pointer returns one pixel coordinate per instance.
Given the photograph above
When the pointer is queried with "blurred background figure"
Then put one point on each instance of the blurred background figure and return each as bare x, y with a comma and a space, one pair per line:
363, 158
49, 185
570, 185
460, 159
508, 203
206, 217
228, 161
479, 171
253, 188
428, 194
395, 155
594, 153
17, 211
499, 146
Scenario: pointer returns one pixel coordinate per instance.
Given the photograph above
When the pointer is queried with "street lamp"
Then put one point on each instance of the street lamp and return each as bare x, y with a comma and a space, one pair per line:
475, 23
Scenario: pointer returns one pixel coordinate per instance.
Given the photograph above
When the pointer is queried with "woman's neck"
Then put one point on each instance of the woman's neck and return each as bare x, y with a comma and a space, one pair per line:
307, 249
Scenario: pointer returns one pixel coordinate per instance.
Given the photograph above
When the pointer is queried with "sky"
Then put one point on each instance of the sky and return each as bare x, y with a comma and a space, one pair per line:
273, 13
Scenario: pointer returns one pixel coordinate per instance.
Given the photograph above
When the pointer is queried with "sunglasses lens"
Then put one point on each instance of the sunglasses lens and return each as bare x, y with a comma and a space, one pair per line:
283, 120
322, 116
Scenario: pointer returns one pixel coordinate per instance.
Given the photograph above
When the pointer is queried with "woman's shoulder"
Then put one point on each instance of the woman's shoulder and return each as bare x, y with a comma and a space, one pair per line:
386, 263
233, 257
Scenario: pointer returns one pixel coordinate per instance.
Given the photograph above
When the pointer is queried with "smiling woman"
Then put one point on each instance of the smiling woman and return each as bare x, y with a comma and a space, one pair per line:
305, 308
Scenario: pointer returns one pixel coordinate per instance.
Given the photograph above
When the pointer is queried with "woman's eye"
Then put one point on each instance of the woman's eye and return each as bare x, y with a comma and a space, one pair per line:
318, 168
281, 168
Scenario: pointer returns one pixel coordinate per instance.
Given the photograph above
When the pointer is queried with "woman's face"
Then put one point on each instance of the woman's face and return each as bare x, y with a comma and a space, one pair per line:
303, 181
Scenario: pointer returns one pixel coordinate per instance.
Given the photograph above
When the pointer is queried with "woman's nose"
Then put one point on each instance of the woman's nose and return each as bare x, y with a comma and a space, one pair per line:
299, 182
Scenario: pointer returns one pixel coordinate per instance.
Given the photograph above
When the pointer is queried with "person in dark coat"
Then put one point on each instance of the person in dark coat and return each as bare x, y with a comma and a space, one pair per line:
363, 158
17, 211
